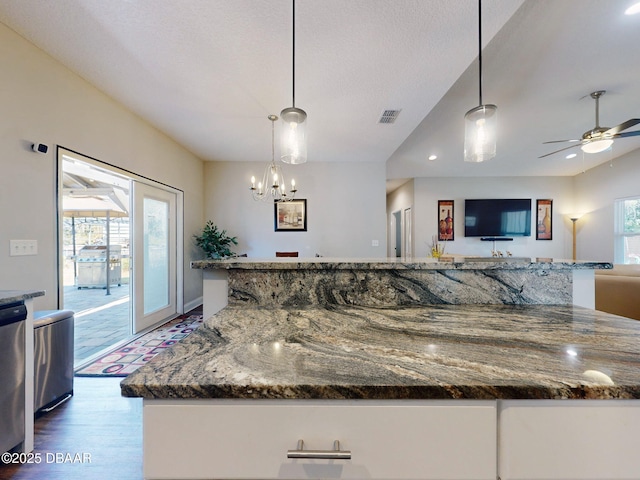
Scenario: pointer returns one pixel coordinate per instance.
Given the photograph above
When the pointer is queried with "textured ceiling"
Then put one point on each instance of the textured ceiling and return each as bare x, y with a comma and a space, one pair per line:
208, 72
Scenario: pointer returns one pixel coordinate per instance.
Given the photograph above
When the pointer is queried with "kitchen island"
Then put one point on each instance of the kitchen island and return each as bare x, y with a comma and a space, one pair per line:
516, 390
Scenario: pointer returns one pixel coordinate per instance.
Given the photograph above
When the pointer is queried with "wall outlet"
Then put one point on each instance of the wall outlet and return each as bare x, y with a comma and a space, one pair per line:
375, 243
23, 247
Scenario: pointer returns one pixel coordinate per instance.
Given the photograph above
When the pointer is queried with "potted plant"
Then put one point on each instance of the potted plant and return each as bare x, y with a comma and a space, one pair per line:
215, 242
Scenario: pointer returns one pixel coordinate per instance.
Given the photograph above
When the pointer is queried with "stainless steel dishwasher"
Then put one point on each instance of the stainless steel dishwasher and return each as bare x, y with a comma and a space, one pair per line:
12, 375
53, 358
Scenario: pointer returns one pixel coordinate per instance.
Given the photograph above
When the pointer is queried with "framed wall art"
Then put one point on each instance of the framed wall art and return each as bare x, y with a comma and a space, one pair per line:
290, 216
445, 220
544, 225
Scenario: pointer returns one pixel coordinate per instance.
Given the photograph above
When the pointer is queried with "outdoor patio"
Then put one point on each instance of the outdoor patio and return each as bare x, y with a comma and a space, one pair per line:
101, 320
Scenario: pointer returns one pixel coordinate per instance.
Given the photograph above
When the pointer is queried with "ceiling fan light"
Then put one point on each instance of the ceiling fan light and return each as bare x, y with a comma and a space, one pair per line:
597, 146
633, 9
480, 133
293, 139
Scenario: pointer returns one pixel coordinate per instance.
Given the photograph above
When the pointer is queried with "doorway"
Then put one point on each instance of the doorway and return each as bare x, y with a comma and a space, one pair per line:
408, 233
119, 253
397, 232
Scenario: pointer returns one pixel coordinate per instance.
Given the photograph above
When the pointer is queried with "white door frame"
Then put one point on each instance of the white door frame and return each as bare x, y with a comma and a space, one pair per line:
407, 232
142, 319
179, 250
396, 228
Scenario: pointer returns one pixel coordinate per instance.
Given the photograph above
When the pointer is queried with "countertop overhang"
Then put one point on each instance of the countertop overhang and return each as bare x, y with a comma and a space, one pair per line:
12, 296
450, 263
416, 352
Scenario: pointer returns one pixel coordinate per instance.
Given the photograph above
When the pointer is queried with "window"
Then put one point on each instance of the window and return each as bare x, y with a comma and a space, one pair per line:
627, 230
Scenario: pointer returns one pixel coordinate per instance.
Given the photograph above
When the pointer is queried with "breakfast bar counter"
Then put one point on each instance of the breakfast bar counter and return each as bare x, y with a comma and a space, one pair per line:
396, 281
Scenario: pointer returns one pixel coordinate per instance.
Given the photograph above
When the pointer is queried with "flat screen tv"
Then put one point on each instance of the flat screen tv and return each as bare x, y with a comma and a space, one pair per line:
497, 217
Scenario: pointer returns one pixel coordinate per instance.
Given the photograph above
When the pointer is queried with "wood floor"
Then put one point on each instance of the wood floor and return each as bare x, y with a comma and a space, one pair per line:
96, 421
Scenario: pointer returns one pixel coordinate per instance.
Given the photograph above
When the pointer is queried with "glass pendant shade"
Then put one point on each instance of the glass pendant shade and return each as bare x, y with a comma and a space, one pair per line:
293, 140
597, 146
480, 133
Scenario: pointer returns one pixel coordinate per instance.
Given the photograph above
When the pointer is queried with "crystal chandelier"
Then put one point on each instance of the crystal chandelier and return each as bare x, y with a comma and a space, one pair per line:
273, 183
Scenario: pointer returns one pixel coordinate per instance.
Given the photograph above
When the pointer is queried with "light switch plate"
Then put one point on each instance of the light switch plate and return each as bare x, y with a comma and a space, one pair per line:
23, 247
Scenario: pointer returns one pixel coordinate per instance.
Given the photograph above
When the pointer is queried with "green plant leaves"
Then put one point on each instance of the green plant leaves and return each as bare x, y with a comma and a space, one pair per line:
215, 242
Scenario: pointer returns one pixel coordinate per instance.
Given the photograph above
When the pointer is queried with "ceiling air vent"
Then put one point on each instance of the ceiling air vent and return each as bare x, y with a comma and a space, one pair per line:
389, 116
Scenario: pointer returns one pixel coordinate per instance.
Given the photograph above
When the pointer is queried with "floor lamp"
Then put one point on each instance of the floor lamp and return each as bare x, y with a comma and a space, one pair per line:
574, 219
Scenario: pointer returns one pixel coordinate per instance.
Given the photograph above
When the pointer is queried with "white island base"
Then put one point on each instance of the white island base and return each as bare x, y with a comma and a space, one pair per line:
415, 368
393, 439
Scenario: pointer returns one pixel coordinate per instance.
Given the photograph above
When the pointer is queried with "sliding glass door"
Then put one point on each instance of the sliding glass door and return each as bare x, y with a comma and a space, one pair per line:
154, 255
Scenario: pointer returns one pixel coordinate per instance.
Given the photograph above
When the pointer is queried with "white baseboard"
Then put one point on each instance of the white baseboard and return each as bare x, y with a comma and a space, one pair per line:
192, 304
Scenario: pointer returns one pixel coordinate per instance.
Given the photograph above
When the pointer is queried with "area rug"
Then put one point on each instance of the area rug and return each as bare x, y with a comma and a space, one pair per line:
128, 358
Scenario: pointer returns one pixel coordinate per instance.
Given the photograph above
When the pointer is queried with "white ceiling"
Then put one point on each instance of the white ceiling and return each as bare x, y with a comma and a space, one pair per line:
208, 72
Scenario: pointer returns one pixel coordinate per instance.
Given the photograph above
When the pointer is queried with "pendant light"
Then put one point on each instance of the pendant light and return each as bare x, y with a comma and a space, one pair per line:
293, 140
481, 121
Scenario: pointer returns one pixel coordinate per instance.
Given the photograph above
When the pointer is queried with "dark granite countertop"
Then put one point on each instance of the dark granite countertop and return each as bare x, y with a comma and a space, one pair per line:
12, 296
449, 263
418, 352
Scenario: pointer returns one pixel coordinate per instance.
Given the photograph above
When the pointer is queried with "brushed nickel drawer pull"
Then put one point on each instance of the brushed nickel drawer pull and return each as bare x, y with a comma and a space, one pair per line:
335, 454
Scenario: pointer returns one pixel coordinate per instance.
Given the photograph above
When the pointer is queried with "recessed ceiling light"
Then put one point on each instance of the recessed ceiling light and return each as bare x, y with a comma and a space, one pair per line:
633, 9
571, 155
432, 157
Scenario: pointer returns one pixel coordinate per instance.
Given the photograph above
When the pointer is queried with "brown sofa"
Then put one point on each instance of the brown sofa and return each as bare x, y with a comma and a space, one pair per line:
618, 290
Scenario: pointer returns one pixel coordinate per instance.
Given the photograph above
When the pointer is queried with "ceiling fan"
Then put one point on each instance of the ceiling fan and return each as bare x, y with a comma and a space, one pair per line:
599, 138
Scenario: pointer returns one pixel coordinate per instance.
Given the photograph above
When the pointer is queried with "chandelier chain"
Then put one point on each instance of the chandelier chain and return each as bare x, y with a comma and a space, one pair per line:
480, 49
293, 56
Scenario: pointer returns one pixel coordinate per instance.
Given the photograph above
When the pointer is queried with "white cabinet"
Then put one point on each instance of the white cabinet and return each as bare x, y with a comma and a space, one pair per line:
395, 439
569, 439
246, 439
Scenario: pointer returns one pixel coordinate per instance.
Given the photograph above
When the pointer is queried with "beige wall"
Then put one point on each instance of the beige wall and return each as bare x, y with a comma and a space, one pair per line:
345, 202
42, 101
592, 193
596, 190
427, 192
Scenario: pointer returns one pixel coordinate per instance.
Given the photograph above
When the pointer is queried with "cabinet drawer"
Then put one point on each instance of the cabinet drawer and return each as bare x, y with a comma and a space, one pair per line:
569, 439
388, 440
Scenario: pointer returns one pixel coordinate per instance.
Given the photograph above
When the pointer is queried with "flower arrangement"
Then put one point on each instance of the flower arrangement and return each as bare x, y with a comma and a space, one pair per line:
437, 247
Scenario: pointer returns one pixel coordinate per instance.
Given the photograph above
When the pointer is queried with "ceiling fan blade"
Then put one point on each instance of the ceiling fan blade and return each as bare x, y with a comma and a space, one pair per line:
627, 134
623, 126
561, 150
559, 141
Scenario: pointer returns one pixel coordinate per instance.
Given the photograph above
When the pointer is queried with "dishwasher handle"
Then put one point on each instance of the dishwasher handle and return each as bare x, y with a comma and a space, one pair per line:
12, 313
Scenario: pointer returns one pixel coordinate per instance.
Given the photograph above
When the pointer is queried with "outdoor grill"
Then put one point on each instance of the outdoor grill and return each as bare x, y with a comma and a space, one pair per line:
92, 266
